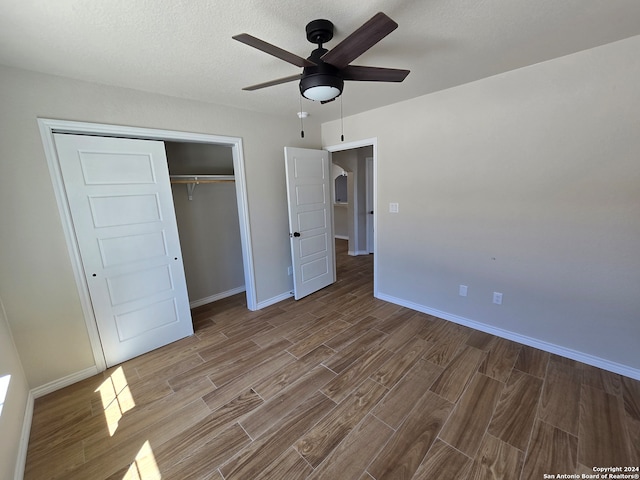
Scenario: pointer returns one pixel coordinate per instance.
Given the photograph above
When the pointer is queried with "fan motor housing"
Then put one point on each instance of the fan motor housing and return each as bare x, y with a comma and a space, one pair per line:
319, 31
322, 74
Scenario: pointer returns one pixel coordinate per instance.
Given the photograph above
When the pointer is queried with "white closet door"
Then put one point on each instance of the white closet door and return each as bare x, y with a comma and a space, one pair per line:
122, 210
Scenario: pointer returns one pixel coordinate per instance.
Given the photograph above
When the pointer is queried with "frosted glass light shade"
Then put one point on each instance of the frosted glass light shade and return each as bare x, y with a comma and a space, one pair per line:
321, 93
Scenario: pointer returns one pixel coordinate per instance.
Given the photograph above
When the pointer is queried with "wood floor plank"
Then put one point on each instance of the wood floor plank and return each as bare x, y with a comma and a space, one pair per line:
318, 443
560, 400
202, 462
59, 461
532, 361
608, 381
396, 320
230, 348
385, 310
631, 400
63, 414
278, 407
397, 404
501, 357
65, 438
347, 381
496, 460
440, 330
207, 435
143, 416
262, 452
516, 410
344, 358
444, 463
290, 466
121, 452
406, 449
407, 331
631, 397
243, 364
551, 451
248, 328
318, 325
397, 366
173, 369
306, 345
603, 435
352, 456
455, 377
348, 336
468, 423
481, 340
185, 379
270, 385
218, 397
164, 358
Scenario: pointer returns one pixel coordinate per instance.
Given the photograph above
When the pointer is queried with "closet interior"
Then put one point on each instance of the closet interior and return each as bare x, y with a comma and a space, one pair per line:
204, 197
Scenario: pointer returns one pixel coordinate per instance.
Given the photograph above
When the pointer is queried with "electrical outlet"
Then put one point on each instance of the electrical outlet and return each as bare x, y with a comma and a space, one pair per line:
394, 207
497, 298
462, 290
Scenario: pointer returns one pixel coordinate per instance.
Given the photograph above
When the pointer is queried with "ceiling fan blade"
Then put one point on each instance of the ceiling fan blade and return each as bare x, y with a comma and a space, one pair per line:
278, 81
365, 37
374, 74
273, 50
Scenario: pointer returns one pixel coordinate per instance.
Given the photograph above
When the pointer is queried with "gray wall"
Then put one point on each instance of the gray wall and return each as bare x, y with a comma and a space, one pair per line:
526, 183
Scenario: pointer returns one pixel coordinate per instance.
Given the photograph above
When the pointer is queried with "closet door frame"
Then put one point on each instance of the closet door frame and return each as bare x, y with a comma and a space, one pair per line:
50, 126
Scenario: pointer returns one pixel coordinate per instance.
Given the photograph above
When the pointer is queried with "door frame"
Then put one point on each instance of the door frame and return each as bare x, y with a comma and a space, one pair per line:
372, 142
370, 204
47, 129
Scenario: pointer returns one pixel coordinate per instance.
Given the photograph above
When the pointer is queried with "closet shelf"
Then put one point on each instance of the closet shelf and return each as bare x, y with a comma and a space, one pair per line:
192, 180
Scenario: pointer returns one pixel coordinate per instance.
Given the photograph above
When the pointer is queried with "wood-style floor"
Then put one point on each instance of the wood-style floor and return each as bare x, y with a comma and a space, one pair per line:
337, 386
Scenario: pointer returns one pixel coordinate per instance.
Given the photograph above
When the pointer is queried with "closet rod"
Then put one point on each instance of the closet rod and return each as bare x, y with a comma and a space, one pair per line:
192, 180
201, 178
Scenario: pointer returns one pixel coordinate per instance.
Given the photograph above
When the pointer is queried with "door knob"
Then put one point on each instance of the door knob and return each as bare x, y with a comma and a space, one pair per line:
296, 234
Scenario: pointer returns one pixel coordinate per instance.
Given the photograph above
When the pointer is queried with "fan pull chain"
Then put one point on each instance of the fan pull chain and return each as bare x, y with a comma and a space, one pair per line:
301, 123
341, 122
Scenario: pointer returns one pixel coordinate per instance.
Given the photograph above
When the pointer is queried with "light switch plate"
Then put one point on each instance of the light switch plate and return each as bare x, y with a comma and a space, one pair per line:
394, 208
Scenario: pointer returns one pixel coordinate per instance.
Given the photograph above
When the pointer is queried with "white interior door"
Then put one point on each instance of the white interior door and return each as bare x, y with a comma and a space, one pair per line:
121, 206
310, 219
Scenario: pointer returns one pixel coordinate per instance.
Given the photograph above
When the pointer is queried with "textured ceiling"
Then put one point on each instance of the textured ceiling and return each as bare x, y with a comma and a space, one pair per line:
183, 48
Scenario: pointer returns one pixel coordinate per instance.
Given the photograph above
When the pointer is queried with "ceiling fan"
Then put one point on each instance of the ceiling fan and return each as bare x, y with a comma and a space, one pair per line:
325, 71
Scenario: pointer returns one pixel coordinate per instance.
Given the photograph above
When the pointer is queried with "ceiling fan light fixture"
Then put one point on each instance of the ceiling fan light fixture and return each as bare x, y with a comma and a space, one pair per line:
321, 87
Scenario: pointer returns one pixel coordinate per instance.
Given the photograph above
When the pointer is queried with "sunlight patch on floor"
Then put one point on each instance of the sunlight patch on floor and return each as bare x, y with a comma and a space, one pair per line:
116, 398
144, 466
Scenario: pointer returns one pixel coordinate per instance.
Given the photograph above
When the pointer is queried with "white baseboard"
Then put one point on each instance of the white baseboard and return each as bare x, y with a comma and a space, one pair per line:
341, 237
274, 300
21, 459
51, 387
216, 297
516, 337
